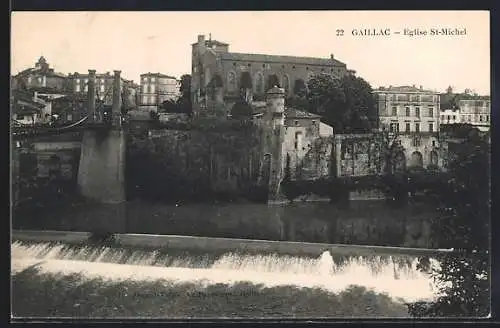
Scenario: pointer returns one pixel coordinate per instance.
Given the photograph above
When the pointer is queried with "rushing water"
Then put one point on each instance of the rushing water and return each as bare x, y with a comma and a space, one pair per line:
396, 276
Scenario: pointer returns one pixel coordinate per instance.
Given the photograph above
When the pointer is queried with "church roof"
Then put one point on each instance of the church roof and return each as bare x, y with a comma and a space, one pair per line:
280, 59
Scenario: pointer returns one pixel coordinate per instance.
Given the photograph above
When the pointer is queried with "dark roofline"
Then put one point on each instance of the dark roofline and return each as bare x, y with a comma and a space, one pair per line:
158, 75
284, 59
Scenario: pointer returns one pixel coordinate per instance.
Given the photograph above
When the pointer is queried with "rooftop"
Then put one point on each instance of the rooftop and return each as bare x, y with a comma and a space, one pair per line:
280, 59
405, 89
158, 75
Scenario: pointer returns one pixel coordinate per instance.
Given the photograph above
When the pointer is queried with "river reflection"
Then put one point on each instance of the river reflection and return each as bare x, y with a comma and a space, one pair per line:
363, 222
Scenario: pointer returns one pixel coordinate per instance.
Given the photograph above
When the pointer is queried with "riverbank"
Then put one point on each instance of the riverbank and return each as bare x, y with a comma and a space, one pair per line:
36, 294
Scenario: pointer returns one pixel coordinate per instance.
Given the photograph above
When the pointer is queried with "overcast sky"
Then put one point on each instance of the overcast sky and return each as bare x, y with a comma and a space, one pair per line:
140, 42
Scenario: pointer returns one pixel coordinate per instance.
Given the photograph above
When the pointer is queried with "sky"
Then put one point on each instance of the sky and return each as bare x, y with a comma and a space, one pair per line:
141, 42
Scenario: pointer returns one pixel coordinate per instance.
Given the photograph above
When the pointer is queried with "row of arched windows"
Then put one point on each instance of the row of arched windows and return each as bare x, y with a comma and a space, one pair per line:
258, 84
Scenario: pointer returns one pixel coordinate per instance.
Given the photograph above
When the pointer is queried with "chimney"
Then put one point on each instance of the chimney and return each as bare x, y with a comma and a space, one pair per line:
421, 87
117, 99
201, 40
331, 57
91, 95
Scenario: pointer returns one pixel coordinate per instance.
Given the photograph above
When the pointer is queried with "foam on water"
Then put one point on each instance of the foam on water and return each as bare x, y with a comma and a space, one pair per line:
390, 275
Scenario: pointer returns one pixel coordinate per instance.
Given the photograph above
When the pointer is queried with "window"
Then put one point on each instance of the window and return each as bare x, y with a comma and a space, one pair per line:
153, 80
448, 117
416, 141
231, 81
77, 81
408, 111
153, 100
394, 127
77, 88
487, 118
296, 123
417, 111
431, 127
144, 100
152, 88
144, 88
145, 79
86, 88
313, 122
298, 140
431, 112
102, 88
102, 81
417, 127
40, 80
407, 127
454, 117
394, 111
86, 80
433, 143
480, 118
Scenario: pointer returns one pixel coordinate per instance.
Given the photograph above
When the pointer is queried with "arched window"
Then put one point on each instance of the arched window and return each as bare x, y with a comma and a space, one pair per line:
231, 82
399, 162
259, 83
285, 83
299, 87
416, 159
272, 81
434, 158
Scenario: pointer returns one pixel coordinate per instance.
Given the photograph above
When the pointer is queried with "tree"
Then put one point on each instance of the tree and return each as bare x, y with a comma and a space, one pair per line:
241, 110
169, 106
346, 104
185, 88
464, 224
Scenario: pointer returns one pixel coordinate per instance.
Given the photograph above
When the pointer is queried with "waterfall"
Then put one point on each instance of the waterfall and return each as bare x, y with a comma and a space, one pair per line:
396, 276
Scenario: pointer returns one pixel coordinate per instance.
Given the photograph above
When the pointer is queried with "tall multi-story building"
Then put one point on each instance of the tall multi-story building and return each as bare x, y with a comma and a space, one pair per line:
157, 88
407, 109
40, 78
213, 66
412, 115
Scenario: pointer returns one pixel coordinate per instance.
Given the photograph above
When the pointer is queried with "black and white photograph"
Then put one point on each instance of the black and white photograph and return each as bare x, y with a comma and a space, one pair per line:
251, 165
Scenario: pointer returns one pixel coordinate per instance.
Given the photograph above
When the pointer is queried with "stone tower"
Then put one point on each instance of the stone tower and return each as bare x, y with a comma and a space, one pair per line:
274, 135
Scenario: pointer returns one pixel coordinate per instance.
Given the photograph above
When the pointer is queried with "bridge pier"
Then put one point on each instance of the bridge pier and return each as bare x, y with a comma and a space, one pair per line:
101, 173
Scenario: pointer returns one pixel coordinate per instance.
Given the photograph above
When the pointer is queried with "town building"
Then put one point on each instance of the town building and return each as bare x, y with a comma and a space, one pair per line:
40, 78
450, 116
104, 88
476, 112
29, 109
407, 109
411, 117
221, 75
157, 88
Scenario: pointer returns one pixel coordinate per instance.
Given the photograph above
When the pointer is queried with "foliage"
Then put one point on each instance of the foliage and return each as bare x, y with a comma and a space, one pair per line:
346, 104
185, 87
170, 106
464, 224
241, 109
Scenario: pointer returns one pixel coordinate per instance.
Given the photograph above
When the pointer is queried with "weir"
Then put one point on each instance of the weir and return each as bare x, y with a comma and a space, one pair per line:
394, 274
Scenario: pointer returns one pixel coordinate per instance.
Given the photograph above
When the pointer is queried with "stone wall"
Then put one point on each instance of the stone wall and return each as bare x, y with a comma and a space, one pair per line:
221, 160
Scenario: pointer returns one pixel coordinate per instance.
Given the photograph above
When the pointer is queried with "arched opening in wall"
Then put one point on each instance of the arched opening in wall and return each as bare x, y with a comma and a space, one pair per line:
214, 86
231, 82
416, 160
246, 86
272, 81
54, 166
433, 159
399, 162
266, 168
259, 83
285, 83
299, 87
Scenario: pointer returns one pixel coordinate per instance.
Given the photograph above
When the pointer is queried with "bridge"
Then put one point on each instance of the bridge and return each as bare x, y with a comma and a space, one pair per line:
102, 148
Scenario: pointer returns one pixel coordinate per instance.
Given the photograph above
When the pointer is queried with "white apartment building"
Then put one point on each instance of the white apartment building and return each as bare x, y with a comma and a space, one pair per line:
408, 109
